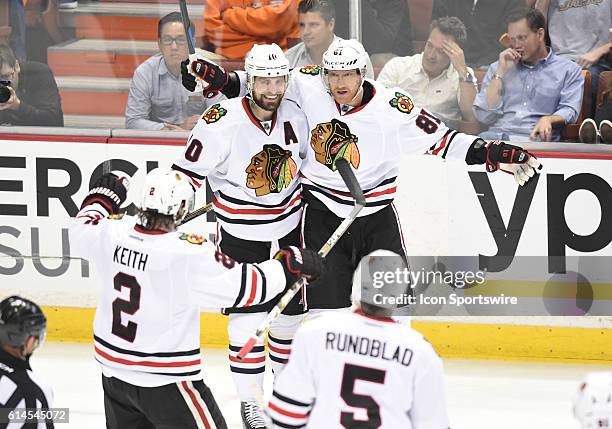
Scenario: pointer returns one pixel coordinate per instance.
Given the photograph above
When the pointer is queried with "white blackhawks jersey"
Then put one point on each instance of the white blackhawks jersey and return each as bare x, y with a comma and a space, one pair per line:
251, 167
372, 138
352, 370
153, 284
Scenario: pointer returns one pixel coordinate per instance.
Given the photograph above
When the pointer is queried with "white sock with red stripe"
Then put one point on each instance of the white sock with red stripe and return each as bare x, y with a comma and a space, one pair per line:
280, 336
248, 374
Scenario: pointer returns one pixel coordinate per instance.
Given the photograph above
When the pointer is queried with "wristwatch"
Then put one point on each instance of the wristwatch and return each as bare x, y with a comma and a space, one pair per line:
469, 78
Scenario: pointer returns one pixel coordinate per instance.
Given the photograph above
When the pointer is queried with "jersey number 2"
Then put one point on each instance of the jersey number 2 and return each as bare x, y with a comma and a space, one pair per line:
351, 374
128, 331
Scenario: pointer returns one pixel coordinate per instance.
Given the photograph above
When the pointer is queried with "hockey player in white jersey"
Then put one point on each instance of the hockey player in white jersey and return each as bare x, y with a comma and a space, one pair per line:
361, 369
372, 127
154, 281
250, 150
593, 401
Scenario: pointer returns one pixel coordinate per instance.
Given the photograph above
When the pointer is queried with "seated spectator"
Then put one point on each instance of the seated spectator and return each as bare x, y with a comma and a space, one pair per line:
567, 21
385, 28
316, 22
437, 78
600, 129
30, 92
485, 23
232, 27
530, 92
157, 99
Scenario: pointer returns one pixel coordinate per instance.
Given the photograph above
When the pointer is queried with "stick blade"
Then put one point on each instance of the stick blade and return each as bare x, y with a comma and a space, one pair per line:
351, 182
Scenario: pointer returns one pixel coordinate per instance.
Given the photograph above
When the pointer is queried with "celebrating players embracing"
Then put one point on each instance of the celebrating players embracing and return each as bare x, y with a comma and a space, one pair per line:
372, 127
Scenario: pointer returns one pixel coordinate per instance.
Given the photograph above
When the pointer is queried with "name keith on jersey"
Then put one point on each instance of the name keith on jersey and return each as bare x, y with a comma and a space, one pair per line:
367, 347
130, 258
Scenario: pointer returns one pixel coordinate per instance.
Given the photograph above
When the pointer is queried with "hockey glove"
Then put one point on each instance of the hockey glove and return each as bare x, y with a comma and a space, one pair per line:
109, 191
212, 77
300, 262
512, 160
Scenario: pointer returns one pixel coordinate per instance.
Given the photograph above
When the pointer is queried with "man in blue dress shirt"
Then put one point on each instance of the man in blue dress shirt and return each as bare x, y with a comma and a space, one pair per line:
530, 93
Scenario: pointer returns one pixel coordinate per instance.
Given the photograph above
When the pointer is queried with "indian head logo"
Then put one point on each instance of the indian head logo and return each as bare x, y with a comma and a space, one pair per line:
311, 70
402, 102
271, 170
333, 140
214, 113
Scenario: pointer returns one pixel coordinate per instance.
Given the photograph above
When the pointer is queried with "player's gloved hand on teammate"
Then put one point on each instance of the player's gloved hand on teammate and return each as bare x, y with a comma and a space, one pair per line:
512, 160
109, 191
299, 262
212, 76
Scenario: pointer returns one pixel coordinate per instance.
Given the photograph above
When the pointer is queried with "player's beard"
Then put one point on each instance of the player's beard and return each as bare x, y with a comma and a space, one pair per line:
267, 105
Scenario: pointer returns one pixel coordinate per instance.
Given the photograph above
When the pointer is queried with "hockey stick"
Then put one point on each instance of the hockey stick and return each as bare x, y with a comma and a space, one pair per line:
187, 26
196, 213
351, 183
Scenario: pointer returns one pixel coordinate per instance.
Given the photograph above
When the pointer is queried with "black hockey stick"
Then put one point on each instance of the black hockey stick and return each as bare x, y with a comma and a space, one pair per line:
351, 183
187, 26
196, 213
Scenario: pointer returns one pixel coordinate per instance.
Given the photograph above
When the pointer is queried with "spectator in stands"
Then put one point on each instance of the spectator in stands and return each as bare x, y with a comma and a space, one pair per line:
316, 20
600, 129
385, 28
31, 94
567, 21
231, 27
530, 92
485, 23
18, 28
157, 99
437, 78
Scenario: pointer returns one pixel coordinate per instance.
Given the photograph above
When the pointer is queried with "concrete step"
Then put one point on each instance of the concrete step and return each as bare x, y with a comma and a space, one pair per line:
99, 58
93, 121
93, 96
110, 58
120, 20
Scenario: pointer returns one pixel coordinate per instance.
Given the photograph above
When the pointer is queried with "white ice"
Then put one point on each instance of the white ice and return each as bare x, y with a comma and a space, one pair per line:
481, 394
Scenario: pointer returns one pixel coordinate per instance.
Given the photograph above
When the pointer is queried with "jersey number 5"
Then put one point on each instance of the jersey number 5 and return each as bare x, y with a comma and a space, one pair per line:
128, 331
351, 374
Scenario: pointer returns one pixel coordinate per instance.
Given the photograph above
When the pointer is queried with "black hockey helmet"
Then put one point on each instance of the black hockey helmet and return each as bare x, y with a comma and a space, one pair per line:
19, 319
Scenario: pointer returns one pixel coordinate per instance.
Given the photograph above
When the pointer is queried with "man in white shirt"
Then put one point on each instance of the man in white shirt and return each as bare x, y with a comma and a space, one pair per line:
437, 78
317, 19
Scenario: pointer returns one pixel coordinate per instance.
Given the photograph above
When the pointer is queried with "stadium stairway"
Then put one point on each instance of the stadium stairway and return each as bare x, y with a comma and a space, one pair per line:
94, 69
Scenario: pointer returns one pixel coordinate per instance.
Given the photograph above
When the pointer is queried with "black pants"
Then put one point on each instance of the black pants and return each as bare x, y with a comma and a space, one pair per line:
181, 405
254, 252
380, 230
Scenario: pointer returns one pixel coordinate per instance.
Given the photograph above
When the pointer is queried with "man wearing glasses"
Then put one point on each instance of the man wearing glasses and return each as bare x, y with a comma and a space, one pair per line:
157, 100
28, 93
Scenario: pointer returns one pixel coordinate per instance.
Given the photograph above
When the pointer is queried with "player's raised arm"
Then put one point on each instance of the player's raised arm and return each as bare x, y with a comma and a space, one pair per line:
218, 281
423, 131
103, 200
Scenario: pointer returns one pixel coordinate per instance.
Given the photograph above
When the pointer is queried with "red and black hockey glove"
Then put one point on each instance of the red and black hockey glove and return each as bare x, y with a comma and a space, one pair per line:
300, 262
512, 160
212, 76
109, 191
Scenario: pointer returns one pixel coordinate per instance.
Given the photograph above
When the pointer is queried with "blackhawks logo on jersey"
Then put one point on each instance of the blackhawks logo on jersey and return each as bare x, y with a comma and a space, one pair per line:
311, 70
192, 238
402, 102
271, 170
214, 113
333, 140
